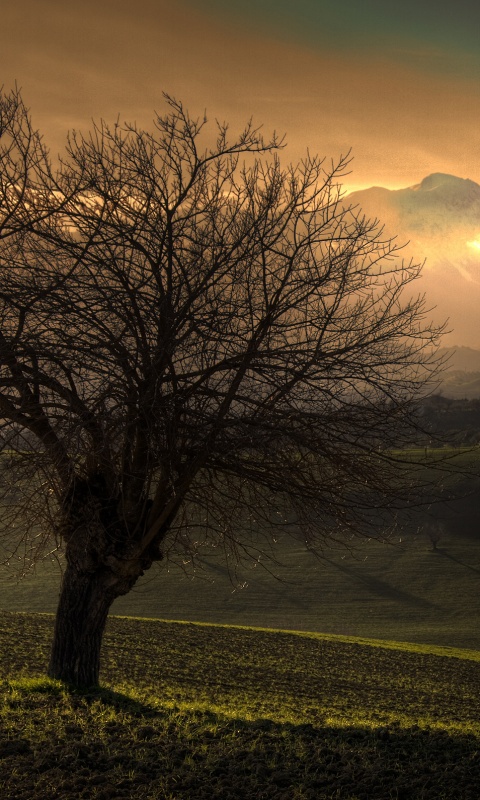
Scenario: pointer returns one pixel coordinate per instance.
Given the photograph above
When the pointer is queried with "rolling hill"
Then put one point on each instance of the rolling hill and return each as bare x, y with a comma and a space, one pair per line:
404, 590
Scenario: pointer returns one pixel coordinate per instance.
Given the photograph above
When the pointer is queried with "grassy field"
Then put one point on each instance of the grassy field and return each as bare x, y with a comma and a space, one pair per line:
190, 711
402, 591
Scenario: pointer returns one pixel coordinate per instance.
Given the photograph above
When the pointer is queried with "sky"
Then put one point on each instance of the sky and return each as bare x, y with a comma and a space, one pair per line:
398, 84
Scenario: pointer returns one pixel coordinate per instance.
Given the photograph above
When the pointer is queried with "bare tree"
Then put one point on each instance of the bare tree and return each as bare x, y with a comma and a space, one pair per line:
434, 531
195, 342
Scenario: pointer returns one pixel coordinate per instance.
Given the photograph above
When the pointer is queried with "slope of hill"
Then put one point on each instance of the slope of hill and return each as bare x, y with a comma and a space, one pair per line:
412, 589
192, 712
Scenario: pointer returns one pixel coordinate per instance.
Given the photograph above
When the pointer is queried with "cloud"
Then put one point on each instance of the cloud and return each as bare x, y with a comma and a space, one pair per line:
91, 60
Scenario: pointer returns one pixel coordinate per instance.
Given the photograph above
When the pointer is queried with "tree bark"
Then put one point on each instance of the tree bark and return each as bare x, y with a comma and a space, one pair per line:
82, 613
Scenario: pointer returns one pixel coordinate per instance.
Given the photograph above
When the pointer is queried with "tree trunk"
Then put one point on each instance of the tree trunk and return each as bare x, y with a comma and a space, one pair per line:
81, 617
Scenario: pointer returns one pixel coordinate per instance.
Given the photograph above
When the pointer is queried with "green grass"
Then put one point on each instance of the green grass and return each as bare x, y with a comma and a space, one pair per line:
189, 711
400, 591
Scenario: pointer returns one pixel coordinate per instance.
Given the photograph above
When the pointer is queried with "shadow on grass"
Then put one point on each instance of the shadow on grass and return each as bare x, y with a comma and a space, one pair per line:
385, 590
142, 751
115, 700
441, 551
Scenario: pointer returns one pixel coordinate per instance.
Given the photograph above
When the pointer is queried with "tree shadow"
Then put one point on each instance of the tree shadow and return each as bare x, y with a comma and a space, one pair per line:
385, 590
441, 551
115, 700
150, 752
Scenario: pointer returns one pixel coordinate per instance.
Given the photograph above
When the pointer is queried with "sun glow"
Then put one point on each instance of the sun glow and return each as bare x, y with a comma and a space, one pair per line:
475, 245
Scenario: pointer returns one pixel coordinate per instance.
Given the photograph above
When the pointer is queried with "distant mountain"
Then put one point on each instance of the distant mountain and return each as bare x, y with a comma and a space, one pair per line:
437, 220
440, 204
461, 378
464, 359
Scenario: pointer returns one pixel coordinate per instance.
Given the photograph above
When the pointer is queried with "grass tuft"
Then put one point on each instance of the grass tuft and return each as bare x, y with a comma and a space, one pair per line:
40, 685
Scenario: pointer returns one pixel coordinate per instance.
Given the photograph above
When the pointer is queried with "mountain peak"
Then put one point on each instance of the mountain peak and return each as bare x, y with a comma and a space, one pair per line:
444, 181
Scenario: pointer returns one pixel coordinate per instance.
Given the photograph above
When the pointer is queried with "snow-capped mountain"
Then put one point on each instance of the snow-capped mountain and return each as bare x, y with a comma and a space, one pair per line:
437, 220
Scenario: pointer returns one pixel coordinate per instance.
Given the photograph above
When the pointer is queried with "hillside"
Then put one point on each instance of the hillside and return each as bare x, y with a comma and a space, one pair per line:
403, 590
454, 421
192, 712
